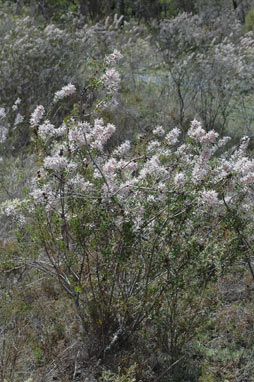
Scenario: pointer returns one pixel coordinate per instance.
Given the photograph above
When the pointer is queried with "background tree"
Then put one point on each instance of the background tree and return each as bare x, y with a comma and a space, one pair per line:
206, 67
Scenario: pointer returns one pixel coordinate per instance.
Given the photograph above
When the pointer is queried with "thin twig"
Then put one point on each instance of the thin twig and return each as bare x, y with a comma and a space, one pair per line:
75, 367
170, 367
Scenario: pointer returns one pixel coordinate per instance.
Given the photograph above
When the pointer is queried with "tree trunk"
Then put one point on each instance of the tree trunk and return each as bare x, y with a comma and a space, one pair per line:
42, 7
235, 4
113, 6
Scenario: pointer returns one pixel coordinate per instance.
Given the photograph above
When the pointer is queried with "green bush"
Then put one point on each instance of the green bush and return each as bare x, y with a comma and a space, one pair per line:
249, 21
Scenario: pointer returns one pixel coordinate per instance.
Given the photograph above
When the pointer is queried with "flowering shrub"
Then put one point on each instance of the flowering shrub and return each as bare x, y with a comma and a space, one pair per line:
126, 231
37, 60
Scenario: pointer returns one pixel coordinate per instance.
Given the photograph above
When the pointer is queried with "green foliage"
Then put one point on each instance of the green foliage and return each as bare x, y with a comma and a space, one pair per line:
61, 6
129, 376
249, 21
38, 354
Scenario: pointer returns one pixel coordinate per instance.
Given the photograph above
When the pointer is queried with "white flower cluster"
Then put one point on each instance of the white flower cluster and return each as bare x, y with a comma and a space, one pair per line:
152, 167
46, 130
44, 195
96, 135
2, 113
110, 167
201, 165
3, 133
209, 138
209, 198
79, 182
11, 207
197, 133
111, 80
153, 146
113, 57
61, 131
159, 131
179, 180
55, 162
77, 137
244, 165
101, 133
16, 103
122, 149
66, 91
19, 119
172, 136
37, 116
245, 168
223, 141
52, 30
